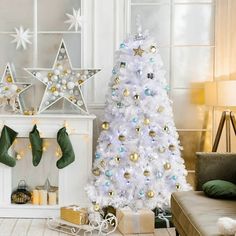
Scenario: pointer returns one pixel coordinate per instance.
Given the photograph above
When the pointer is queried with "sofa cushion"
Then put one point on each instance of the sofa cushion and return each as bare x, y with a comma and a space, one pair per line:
219, 189
195, 214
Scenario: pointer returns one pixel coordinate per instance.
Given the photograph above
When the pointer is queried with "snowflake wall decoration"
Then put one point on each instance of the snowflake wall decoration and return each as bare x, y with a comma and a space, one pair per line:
75, 20
21, 37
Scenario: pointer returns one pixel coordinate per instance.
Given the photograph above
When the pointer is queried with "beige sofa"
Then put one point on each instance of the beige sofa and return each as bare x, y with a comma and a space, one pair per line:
195, 214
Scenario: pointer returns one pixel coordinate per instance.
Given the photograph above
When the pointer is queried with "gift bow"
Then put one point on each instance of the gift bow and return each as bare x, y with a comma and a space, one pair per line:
162, 216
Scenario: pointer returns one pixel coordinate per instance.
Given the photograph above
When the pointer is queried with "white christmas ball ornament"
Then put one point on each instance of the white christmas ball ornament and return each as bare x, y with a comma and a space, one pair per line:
63, 81
58, 85
56, 93
70, 85
38, 75
45, 79
60, 67
71, 92
78, 75
56, 72
79, 102
54, 78
13, 87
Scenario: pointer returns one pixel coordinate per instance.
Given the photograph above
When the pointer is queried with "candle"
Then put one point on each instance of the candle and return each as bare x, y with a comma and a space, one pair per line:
35, 199
52, 198
43, 197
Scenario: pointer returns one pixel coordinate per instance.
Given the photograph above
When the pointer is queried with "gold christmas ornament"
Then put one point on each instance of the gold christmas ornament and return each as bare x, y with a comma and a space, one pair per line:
53, 89
111, 193
172, 147
138, 51
146, 173
167, 166
127, 175
18, 90
102, 163
80, 81
136, 97
137, 129
126, 93
117, 80
96, 171
105, 125
150, 194
50, 75
160, 109
177, 186
146, 121
152, 133
161, 149
96, 207
121, 138
134, 157
9, 79
117, 159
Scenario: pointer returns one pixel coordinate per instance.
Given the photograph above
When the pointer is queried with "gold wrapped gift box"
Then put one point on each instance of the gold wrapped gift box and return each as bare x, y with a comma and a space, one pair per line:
74, 214
131, 222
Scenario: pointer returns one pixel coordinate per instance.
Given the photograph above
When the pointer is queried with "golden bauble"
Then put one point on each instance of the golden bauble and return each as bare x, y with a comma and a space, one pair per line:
127, 175
126, 93
161, 149
146, 173
96, 207
172, 147
150, 194
134, 156
110, 193
6, 88
96, 171
80, 81
50, 75
167, 166
152, 133
117, 159
117, 80
136, 97
105, 125
153, 49
137, 129
160, 109
18, 90
102, 163
146, 121
121, 137
53, 89
9, 79
177, 186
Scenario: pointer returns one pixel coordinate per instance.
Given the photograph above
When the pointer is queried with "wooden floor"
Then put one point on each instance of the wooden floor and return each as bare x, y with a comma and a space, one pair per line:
38, 227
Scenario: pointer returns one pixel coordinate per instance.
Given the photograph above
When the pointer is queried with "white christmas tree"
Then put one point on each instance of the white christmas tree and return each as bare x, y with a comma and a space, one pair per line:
138, 160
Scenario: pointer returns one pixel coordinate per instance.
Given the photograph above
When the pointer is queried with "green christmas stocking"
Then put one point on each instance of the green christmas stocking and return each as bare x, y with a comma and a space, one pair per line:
37, 145
68, 155
8, 136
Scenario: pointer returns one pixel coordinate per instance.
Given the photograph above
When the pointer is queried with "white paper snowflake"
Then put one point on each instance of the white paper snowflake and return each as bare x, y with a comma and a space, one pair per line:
75, 20
21, 37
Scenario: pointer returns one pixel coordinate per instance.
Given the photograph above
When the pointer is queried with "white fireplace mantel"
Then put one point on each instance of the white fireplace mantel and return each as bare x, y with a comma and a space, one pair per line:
71, 180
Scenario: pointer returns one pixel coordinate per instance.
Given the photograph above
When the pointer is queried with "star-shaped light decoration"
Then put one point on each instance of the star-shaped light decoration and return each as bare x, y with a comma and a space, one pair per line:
63, 81
75, 20
21, 38
11, 90
138, 51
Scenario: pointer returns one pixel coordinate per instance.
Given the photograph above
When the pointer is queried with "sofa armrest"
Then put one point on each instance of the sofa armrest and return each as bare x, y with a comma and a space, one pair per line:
210, 166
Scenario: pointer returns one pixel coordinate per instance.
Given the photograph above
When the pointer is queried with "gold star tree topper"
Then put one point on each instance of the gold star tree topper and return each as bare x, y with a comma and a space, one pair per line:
62, 81
138, 51
10, 91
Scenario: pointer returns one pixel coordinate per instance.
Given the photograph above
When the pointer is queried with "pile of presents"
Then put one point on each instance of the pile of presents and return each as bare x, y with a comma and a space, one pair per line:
129, 222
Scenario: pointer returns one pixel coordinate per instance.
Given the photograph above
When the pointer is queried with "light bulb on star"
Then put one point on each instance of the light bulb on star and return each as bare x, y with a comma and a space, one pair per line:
75, 20
21, 38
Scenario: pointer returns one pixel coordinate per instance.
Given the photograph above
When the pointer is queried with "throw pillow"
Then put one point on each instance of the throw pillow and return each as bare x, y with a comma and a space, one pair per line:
219, 189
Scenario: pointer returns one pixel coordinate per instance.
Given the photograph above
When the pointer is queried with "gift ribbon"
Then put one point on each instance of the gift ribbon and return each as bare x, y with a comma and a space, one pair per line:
163, 217
136, 222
